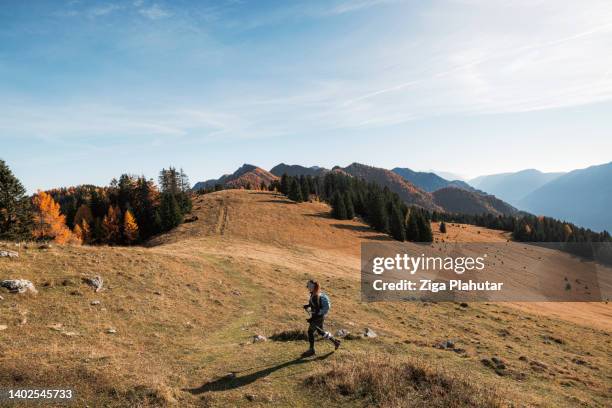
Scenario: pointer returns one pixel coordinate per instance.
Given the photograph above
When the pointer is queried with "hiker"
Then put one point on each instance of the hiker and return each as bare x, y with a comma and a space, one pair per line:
319, 307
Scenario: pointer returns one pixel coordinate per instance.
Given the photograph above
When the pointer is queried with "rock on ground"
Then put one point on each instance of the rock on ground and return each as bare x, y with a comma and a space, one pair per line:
370, 333
96, 282
258, 338
342, 333
8, 254
18, 285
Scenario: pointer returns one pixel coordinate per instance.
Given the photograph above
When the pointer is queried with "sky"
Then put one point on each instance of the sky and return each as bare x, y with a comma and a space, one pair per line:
93, 89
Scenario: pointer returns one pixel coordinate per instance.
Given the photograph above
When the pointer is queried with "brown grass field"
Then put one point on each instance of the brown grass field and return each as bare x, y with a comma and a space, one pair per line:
185, 310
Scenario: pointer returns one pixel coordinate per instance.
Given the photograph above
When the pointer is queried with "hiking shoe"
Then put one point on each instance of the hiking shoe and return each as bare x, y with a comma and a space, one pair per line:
336, 344
308, 353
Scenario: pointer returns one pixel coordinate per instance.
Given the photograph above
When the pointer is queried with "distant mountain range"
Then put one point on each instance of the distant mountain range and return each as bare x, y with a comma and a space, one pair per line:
430, 181
513, 187
247, 175
583, 197
453, 196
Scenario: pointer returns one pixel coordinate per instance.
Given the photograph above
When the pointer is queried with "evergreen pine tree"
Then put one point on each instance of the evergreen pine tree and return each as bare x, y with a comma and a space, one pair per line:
396, 224
15, 209
284, 184
425, 233
305, 188
338, 207
412, 227
295, 192
169, 211
350, 209
443, 227
378, 213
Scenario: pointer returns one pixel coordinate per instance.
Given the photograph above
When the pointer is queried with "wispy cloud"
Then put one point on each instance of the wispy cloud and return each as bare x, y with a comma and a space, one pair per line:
154, 12
103, 10
355, 5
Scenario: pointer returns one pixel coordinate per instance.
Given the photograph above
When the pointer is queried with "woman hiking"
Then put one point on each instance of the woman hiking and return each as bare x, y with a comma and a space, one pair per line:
319, 307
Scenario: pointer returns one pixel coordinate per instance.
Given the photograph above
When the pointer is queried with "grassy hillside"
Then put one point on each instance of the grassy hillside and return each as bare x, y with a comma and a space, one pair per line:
185, 311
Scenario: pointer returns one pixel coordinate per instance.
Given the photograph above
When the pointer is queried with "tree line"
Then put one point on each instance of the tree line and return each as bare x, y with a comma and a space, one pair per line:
128, 211
349, 197
527, 227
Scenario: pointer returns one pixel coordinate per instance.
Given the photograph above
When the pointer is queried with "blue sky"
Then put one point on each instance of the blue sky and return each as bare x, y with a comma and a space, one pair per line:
90, 90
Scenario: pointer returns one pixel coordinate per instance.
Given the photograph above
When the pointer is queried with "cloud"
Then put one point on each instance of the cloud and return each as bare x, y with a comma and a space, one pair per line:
104, 10
355, 5
154, 12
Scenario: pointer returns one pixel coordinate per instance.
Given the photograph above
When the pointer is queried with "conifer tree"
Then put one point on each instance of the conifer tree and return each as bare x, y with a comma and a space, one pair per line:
338, 206
15, 209
169, 212
295, 192
412, 227
443, 227
396, 224
350, 209
111, 225
146, 197
284, 184
377, 213
304, 187
49, 222
130, 228
425, 233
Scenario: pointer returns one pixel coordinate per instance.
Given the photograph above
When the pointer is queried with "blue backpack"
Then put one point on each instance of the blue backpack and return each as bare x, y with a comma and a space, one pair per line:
324, 303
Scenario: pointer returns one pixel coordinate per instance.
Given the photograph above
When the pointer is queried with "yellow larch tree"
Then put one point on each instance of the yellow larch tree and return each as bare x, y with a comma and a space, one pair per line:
111, 225
130, 227
49, 222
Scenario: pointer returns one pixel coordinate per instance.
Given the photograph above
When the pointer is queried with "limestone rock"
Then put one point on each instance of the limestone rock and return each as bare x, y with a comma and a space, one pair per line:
18, 285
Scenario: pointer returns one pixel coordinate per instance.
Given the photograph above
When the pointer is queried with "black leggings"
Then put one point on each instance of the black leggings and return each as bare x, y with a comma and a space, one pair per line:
316, 325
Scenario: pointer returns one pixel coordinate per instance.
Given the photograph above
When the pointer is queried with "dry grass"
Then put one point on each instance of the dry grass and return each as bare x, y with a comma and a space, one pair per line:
186, 311
389, 382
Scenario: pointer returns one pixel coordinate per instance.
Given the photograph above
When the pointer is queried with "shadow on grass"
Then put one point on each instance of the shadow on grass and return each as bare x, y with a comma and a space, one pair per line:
377, 238
279, 201
319, 215
352, 227
230, 383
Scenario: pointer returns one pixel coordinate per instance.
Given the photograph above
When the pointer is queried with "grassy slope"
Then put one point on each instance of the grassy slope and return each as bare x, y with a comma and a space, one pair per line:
185, 311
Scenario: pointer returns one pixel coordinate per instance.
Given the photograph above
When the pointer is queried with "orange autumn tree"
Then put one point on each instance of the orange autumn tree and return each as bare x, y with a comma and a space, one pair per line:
49, 222
111, 225
130, 227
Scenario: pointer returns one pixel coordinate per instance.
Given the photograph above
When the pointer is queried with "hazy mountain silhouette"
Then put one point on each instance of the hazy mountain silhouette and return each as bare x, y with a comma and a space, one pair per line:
513, 187
430, 181
583, 197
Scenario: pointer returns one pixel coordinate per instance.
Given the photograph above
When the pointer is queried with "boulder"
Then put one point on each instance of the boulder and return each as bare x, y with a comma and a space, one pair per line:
259, 338
342, 333
18, 285
8, 254
369, 333
447, 344
96, 282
